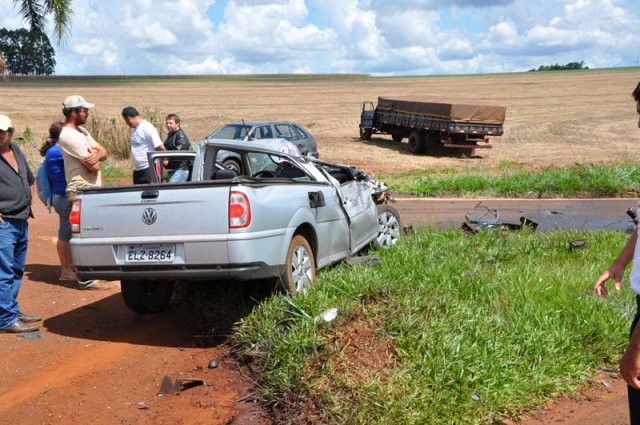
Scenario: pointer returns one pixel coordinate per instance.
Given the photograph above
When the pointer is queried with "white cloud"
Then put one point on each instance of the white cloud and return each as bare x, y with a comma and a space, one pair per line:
373, 36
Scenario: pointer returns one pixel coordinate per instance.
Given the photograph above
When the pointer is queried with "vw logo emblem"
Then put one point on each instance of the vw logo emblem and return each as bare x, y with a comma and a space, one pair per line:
149, 216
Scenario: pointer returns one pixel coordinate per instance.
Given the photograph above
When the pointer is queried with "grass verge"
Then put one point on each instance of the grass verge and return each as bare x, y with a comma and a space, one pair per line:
448, 329
593, 180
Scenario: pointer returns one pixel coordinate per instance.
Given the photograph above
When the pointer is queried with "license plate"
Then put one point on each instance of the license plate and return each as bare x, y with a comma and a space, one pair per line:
150, 254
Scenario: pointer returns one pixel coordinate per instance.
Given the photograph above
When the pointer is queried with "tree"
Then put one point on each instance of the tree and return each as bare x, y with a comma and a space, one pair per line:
34, 13
27, 53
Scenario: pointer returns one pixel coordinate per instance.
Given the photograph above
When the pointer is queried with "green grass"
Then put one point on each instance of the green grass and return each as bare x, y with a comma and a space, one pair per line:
448, 329
598, 180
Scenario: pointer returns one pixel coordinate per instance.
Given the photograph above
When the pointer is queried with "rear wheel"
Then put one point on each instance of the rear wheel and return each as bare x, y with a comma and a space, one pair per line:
390, 226
300, 266
146, 296
433, 144
416, 142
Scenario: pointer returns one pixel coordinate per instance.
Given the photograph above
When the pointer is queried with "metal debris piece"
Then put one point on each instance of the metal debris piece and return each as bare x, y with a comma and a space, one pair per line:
142, 405
328, 315
170, 386
577, 244
606, 384
364, 259
475, 397
213, 364
489, 219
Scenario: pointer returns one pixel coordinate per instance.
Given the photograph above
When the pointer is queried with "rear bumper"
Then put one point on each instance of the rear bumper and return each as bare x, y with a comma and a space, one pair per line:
199, 272
200, 257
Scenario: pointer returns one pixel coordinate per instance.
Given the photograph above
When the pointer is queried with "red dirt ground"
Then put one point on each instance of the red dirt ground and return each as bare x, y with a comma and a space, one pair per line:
99, 363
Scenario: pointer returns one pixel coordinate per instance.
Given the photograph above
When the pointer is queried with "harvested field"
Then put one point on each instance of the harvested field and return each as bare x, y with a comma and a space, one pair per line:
553, 118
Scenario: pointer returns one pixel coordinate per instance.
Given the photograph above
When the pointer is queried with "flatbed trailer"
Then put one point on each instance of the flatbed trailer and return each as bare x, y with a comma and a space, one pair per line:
433, 125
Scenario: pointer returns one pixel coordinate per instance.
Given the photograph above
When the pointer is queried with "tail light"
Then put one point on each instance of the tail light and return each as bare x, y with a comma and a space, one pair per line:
239, 210
74, 216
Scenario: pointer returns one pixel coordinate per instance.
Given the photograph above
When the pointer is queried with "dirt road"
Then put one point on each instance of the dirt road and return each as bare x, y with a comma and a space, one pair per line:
97, 362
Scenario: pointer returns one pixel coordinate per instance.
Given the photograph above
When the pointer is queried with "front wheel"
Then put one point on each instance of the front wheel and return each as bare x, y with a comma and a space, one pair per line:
300, 266
365, 133
390, 226
146, 296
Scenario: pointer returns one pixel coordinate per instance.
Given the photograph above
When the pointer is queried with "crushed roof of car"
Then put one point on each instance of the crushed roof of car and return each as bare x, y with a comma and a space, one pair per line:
268, 145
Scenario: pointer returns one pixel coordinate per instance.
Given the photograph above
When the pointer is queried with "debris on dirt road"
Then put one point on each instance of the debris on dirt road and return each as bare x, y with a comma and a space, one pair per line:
170, 386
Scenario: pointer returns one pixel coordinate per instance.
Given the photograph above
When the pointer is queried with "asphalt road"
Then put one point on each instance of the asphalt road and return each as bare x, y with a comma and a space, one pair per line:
550, 214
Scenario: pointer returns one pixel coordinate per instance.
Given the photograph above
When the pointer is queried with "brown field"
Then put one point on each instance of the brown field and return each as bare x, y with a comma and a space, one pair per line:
553, 118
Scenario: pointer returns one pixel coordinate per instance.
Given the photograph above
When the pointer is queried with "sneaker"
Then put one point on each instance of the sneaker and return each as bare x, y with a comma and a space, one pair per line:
94, 284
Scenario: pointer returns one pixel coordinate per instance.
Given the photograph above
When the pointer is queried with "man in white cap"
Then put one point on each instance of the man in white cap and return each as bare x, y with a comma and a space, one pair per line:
16, 180
81, 155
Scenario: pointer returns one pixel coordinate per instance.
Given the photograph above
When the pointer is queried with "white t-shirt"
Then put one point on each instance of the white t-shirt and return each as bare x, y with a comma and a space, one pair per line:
144, 138
75, 145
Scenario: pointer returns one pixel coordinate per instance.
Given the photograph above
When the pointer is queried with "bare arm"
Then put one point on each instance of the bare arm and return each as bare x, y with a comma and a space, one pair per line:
630, 361
96, 154
616, 270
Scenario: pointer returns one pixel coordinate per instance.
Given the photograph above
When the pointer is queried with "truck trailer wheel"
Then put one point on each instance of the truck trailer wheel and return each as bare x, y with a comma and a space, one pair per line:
390, 226
300, 266
146, 296
433, 144
416, 142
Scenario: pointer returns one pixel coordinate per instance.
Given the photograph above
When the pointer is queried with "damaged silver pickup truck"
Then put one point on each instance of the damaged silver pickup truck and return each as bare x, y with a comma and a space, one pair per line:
281, 216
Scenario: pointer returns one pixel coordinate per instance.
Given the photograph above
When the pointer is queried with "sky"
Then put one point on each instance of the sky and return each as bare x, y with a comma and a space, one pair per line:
377, 37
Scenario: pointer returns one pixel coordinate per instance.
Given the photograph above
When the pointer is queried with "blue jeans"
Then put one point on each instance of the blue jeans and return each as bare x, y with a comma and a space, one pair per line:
14, 234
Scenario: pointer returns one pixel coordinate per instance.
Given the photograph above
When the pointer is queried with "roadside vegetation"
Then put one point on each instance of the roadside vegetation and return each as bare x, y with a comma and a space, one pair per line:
619, 179
470, 330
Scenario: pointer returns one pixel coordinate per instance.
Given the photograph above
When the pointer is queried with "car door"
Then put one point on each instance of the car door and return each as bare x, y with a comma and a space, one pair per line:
353, 214
362, 212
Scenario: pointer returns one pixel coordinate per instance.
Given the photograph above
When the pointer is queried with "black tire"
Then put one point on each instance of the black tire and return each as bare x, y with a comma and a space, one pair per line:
365, 133
397, 137
433, 144
232, 164
147, 296
416, 142
390, 227
300, 266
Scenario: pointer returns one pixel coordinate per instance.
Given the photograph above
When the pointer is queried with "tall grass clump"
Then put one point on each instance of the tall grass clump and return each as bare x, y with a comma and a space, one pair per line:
448, 328
114, 134
599, 180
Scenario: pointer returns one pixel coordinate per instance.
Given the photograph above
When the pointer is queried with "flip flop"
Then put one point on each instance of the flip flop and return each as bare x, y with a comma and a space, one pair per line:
68, 278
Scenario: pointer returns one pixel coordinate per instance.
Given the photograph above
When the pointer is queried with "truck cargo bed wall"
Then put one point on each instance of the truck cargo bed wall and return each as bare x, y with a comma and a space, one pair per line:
435, 107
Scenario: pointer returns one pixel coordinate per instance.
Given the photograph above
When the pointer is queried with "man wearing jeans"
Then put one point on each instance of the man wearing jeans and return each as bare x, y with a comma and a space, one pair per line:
15, 209
630, 361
